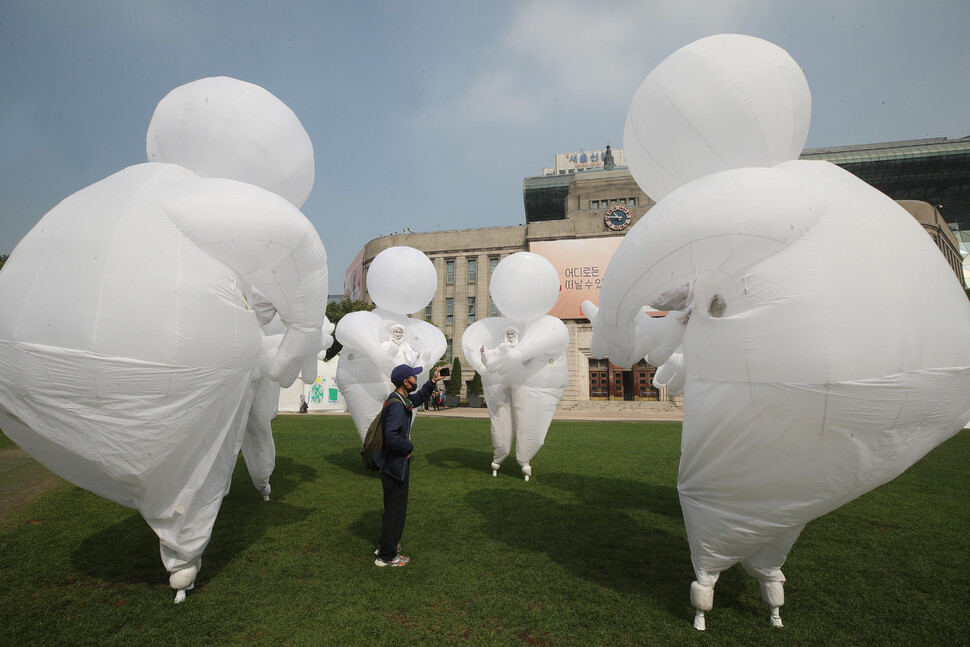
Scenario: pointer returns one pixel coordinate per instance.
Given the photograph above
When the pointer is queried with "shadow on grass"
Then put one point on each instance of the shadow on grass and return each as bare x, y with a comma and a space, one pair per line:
472, 459
368, 525
348, 460
594, 539
127, 552
617, 493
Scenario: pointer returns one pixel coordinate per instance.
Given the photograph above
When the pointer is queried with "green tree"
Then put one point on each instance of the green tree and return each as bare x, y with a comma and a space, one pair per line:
475, 386
454, 386
336, 310
3, 259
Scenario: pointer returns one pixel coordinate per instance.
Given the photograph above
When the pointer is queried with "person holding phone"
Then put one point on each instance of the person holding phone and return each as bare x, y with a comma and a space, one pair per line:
394, 458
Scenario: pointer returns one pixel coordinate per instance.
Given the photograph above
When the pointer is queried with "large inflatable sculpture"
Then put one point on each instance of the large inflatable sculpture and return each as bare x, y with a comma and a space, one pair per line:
825, 343
520, 356
401, 280
129, 347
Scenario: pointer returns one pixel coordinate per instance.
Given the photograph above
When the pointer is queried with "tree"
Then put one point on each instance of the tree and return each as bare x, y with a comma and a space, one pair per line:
336, 310
475, 386
3, 259
454, 385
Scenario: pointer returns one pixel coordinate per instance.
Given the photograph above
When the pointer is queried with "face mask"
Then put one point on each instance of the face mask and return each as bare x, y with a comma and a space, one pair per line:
410, 387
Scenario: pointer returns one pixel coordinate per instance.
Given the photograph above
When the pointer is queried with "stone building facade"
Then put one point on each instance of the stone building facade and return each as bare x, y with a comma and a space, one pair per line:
576, 206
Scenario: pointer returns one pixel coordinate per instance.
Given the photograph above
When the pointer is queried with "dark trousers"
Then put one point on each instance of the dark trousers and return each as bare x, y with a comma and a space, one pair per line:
395, 514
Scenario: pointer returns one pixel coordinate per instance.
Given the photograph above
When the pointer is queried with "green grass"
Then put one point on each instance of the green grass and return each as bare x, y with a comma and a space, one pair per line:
591, 551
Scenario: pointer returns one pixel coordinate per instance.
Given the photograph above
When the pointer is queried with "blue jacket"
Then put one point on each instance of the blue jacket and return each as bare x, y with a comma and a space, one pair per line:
393, 459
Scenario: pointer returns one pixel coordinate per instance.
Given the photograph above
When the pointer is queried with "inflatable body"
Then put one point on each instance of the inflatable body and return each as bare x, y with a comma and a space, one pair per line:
825, 343
521, 358
400, 280
129, 348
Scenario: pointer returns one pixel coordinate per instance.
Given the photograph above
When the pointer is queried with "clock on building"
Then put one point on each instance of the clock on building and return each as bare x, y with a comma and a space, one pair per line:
617, 218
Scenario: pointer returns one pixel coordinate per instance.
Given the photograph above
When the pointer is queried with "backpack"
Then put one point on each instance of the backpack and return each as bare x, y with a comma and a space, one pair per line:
374, 439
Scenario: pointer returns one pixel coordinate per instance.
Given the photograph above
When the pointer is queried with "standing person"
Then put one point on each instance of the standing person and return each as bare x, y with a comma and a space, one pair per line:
394, 459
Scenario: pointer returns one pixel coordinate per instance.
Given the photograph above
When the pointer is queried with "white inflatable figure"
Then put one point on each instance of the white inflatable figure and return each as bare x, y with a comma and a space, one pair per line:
258, 447
520, 356
827, 349
401, 280
133, 297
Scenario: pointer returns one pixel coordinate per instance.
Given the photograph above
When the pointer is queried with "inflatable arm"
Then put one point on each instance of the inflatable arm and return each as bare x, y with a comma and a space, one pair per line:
712, 228
429, 340
475, 336
545, 336
271, 244
363, 330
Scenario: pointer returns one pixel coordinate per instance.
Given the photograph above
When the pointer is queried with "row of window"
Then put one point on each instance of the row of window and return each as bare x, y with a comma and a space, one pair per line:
450, 310
598, 204
472, 267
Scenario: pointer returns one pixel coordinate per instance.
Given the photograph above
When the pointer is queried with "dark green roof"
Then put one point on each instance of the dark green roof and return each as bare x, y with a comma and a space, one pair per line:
933, 170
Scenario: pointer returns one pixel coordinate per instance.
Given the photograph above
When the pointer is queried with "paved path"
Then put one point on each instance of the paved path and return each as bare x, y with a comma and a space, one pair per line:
587, 416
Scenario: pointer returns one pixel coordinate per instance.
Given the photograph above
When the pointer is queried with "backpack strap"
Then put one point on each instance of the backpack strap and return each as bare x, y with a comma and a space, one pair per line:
398, 399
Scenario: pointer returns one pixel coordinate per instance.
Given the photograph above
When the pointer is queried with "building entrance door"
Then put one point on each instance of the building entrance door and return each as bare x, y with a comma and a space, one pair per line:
609, 382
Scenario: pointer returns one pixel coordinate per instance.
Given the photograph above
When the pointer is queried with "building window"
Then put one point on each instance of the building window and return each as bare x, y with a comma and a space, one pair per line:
449, 310
449, 272
492, 310
594, 204
632, 202
447, 356
492, 263
471, 309
472, 270
427, 312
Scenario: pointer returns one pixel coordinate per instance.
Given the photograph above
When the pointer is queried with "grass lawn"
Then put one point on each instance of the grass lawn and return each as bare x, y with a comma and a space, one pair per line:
591, 551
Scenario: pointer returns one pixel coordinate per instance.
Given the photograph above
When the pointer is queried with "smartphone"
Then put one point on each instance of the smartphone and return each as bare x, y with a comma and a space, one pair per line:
445, 371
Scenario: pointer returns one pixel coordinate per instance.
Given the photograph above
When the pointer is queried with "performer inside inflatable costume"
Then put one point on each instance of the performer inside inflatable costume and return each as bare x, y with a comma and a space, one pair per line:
129, 347
521, 357
824, 337
401, 280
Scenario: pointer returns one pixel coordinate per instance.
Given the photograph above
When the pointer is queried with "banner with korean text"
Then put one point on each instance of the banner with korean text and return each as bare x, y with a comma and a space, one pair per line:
581, 264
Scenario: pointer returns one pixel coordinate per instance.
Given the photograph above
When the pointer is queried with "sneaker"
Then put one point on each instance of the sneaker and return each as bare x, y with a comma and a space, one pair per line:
378, 550
399, 560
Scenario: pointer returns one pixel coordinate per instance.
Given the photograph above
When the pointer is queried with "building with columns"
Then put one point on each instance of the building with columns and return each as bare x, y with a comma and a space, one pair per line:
576, 217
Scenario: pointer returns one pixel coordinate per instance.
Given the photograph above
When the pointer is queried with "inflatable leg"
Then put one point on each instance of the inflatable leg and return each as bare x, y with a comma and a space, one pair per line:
532, 411
183, 580
773, 593
702, 597
499, 404
258, 448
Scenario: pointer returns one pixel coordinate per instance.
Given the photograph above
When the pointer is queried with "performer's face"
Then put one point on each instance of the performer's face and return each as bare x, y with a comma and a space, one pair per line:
511, 337
397, 334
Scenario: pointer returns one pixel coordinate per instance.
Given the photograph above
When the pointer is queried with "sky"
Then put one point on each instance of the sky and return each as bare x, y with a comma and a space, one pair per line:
427, 114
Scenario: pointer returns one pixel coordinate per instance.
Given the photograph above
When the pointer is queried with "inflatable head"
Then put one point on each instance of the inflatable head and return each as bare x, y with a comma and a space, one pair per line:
402, 280
722, 102
221, 127
524, 286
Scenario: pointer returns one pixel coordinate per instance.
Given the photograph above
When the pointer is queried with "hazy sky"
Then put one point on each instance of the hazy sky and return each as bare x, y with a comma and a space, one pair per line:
428, 114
